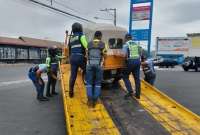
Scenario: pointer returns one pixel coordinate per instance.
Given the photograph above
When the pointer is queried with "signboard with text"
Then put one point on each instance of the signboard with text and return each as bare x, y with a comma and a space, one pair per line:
139, 1
140, 11
176, 45
139, 35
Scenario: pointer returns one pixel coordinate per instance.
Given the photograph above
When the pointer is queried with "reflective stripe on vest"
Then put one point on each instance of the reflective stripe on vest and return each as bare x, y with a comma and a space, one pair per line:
75, 45
147, 69
133, 50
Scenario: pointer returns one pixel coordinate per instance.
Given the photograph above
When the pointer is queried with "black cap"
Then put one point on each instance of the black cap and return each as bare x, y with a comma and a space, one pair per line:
98, 34
128, 36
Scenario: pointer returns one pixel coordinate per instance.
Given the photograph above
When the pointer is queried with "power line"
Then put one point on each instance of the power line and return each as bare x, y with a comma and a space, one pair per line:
61, 11
63, 5
115, 13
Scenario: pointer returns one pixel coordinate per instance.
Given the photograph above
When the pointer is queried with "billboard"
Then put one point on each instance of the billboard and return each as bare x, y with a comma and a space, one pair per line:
195, 42
194, 46
175, 45
141, 13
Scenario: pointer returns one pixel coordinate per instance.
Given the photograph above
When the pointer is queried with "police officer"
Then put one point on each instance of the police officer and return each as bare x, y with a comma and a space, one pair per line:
148, 69
77, 49
132, 52
96, 50
52, 64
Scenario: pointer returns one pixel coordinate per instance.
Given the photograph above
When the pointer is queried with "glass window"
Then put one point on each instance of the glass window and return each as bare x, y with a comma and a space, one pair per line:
43, 53
115, 43
111, 43
22, 53
1, 52
34, 53
119, 43
8, 53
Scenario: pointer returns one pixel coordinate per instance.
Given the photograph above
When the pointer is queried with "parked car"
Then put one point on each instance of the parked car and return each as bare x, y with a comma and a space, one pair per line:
164, 62
191, 63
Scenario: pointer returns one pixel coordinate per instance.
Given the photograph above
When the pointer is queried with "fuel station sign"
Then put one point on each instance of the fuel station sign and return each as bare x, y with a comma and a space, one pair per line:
141, 13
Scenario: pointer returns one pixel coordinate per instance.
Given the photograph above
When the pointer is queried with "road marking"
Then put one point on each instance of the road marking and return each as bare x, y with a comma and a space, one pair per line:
17, 82
169, 69
13, 82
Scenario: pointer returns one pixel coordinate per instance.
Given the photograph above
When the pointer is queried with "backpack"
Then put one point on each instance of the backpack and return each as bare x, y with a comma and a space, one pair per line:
94, 53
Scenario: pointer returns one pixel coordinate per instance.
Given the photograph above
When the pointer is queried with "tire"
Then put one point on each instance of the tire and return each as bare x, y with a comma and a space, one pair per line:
196, 69
185, 69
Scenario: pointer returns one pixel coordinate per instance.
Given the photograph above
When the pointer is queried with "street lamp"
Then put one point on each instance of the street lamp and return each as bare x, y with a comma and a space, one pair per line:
115, 13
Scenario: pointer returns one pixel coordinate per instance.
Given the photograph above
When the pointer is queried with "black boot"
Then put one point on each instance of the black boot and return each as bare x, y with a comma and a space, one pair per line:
129, 94
137, 96
42, 98
54, 93
49, 95
71, 94
45, 98
91, 103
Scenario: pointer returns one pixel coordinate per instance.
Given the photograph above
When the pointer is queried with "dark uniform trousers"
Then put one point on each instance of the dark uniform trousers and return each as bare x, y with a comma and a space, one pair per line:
51, 84
133, 66
76, 61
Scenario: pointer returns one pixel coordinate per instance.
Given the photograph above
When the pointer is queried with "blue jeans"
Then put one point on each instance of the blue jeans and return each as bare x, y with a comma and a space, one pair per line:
76, 61
94, 75
133, 66
39, 87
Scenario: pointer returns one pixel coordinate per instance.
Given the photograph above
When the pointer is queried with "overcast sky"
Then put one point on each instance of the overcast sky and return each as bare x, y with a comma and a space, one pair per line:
23, 18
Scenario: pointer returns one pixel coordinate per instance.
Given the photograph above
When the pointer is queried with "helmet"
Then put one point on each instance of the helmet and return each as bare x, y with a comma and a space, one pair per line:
77, 27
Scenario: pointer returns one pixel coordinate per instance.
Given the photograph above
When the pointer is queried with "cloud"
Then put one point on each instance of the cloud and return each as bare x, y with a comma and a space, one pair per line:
20, 17
186, 12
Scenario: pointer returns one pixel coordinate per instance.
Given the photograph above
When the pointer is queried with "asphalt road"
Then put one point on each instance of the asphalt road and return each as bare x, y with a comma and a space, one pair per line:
182, 86
13, 72
21, 113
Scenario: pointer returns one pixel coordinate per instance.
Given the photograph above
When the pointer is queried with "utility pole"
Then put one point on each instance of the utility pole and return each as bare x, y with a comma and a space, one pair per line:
115, 13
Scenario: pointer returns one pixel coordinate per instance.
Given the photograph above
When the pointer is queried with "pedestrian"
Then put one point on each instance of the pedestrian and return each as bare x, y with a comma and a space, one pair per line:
94, 72
77, 50
148, 69
132, 52
52, 64
35, 75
